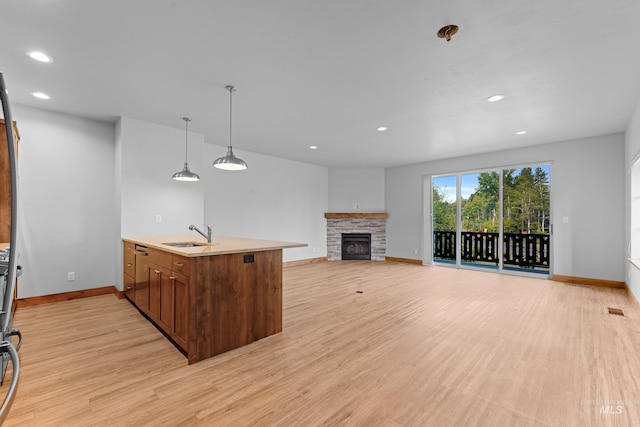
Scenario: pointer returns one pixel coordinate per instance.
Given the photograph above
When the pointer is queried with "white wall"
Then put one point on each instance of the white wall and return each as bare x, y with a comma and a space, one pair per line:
274, 199
587, 185
84, 184
362, 186
149, 156
66, 198
125, 181
632, 147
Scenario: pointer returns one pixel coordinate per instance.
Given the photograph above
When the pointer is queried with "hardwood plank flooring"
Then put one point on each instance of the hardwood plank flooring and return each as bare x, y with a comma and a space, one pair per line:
419, 346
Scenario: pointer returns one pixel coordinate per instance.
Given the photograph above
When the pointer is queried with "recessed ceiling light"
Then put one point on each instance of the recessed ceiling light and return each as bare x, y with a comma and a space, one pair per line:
41, 95
313, 147
382, 128
495, 98
39, 56
521, 132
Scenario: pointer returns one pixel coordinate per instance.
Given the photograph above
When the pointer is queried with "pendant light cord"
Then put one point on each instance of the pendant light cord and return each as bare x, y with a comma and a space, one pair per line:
231, 89
186, 138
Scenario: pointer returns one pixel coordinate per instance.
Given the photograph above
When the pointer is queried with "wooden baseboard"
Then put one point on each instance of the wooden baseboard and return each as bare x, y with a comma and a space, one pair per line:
304, 261
403, 260
65, 296
589, 282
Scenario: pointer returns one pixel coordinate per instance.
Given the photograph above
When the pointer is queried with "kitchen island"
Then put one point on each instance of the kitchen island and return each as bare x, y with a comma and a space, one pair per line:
207, 298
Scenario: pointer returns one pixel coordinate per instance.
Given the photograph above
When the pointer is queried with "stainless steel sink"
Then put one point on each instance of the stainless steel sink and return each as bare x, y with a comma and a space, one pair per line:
185, 244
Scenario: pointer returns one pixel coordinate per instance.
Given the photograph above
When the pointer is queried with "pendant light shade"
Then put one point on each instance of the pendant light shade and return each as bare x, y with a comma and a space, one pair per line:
230, 162
185, 174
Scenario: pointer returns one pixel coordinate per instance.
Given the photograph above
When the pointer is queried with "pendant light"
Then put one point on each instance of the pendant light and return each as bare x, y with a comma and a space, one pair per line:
185, 174
230, 162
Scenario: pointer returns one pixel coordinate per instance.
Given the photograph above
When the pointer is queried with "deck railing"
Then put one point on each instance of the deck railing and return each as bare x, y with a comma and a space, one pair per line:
518, 249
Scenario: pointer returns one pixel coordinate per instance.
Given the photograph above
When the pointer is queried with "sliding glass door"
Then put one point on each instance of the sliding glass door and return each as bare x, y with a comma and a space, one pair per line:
526, 219
494, 219
480, 219
444, 208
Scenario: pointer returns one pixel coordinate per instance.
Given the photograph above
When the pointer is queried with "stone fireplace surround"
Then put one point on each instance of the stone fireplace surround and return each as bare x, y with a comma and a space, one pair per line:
356, 222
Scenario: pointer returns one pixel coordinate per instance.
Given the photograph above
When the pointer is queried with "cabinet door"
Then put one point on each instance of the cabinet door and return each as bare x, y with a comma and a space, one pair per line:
155, 277
166, 300
142, 290
180, 308
129, 286
129, 260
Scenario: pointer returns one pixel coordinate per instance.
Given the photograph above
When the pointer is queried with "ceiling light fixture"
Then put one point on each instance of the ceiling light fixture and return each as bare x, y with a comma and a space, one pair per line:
230, 162
39, 56
185, 174
447, 32
521, 132
313, 147
382, 128
40, 95
495, 98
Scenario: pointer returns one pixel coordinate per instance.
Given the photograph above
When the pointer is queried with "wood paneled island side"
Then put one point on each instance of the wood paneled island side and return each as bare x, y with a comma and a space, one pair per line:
207, 298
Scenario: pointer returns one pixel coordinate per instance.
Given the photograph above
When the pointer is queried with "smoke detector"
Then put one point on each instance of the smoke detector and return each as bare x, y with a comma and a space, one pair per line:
447, 32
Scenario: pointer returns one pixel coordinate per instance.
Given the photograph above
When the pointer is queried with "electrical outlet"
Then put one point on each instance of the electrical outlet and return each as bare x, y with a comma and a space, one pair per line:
158, 218
71, 276
356, 206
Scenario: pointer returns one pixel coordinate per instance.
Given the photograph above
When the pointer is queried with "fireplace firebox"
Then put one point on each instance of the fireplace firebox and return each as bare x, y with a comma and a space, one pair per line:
356, 246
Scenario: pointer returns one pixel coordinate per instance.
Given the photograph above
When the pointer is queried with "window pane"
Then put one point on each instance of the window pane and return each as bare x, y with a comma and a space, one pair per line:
444, 207
480, 220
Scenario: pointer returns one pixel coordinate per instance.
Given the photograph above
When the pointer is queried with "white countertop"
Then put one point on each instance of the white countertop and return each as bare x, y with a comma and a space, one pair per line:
219, 246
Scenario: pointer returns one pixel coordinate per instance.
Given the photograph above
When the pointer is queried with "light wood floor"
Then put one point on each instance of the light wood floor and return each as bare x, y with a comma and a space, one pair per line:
421, 346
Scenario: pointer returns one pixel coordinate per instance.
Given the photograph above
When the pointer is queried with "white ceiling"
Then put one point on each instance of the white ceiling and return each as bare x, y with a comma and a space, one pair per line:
328, 73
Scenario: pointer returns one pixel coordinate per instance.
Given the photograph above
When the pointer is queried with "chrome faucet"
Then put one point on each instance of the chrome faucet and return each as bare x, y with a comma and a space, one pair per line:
206, 236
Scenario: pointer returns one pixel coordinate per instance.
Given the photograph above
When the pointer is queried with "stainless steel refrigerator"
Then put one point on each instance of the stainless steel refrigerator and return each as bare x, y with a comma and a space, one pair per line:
9, 271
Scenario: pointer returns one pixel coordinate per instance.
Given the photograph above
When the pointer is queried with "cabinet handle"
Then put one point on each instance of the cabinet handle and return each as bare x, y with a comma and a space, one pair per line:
179, 264
156, 271
172, 278
128, 264
128, 287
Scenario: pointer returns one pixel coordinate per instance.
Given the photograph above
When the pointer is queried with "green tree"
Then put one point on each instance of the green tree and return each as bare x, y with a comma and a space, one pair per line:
541, 188
444, 212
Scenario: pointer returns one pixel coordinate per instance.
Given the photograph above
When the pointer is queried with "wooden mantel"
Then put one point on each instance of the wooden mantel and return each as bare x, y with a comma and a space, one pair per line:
336, 215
